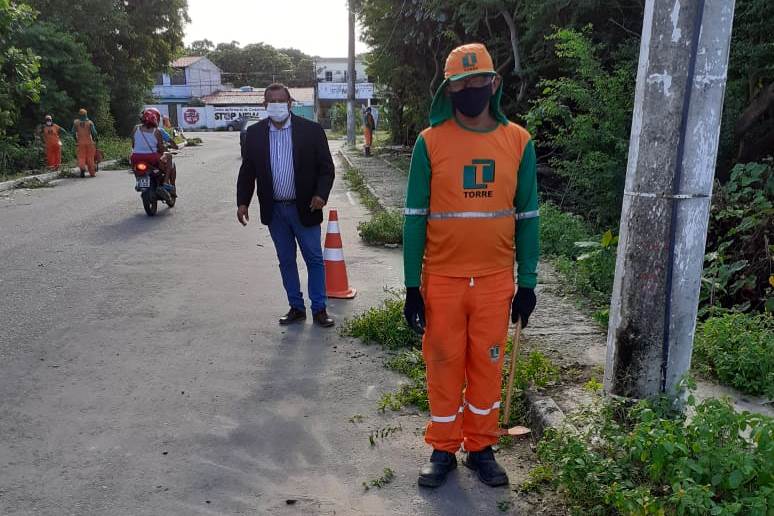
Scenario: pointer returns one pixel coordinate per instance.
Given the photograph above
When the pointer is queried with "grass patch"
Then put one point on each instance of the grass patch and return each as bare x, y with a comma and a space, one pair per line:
354, 178
387, 476
384, 227
737, 349
648, 459
383, 325
194, 142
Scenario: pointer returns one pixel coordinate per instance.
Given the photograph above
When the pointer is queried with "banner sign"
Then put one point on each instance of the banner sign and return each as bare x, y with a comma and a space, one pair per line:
222, 114
338, 90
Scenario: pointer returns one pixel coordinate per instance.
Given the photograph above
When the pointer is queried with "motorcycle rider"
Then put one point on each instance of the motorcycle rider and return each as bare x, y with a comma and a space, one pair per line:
149, 146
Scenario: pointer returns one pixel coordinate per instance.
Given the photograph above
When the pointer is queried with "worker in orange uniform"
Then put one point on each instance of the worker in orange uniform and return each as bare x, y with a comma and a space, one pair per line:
472, 194
52, 140
369, 126
85, 143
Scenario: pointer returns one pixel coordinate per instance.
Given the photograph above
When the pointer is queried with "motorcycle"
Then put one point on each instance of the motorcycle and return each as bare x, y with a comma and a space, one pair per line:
152, 187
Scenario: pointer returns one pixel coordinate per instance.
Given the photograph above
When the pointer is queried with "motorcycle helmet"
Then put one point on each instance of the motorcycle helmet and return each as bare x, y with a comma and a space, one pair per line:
151, 117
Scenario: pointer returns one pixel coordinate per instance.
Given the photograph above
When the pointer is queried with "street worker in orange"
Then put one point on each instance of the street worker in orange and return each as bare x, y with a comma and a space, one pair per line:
369, 126
52, 134
471, 198
85, 143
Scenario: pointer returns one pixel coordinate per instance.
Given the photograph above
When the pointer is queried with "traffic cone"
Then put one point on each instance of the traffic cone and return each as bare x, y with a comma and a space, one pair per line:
335, 269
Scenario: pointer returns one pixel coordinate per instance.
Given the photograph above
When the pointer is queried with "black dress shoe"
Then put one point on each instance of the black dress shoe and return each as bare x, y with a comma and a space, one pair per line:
293, 316
433, 474
489, 471
321, 319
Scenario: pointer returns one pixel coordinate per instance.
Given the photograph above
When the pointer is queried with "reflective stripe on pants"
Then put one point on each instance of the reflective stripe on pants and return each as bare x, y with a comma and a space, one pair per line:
463, 347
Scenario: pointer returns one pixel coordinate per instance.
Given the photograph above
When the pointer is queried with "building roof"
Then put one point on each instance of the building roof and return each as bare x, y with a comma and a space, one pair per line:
254, 97
185, 62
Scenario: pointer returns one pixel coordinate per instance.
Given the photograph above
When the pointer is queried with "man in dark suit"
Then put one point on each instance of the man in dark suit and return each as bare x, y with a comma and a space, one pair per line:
288, 159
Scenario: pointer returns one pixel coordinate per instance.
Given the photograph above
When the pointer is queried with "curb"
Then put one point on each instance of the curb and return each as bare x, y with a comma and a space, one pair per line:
370, 188
544, 413
44, 178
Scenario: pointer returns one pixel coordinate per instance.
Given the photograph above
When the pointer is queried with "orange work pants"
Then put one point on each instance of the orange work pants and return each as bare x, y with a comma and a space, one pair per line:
54, 155
369, 136
86, 152
464, 343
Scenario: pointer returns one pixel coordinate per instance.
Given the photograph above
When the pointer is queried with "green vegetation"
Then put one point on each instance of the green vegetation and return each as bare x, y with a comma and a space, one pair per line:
383, 325
587, 263
54, 59
354, 178
384, 227
738, 265
583, 119
386, 326
650, 459
387, 476
738, 349
257, 63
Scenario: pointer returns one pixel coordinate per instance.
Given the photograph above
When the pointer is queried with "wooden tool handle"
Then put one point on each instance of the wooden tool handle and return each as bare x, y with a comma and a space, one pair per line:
515, 349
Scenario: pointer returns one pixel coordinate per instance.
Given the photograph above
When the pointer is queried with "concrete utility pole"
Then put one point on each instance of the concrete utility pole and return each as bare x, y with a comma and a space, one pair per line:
674, 141
351, 78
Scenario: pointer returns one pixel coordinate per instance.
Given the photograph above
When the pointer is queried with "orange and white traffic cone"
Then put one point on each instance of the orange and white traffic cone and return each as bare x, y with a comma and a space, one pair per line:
336, 281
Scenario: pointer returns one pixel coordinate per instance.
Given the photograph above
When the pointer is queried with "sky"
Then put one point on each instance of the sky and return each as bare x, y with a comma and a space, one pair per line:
316, 27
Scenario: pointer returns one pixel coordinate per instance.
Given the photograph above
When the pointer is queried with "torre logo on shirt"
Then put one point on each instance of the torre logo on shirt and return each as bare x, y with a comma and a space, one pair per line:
477, 177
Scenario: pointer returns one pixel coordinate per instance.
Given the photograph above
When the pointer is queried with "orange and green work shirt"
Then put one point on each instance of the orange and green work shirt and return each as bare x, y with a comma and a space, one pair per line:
471, 196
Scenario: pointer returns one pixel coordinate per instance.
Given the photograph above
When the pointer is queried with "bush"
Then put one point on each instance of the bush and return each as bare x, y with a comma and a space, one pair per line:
649, 460
559, 231
385, 227
738, 349
737, 270
585, 118
383, 325
115, 148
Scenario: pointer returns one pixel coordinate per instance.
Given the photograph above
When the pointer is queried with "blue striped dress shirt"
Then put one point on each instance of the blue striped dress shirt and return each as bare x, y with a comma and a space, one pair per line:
281, 154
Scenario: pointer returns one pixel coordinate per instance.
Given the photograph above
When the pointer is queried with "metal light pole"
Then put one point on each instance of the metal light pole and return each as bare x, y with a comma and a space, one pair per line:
672, 152
351, 78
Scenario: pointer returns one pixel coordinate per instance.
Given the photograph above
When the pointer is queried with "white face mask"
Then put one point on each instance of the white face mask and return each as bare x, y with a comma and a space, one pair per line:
278, 111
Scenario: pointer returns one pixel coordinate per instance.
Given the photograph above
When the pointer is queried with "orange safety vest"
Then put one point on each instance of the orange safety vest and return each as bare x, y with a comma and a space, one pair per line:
51, 135
473, 180
83, 131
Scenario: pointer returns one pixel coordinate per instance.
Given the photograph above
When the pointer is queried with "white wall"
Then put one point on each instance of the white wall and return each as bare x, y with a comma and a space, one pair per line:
338, 69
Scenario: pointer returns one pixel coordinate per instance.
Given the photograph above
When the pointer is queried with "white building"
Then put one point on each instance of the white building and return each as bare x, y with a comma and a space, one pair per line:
334, 69
188, 78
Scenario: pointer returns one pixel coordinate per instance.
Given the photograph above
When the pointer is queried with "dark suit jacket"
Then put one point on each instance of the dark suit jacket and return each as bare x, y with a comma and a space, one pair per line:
312, 165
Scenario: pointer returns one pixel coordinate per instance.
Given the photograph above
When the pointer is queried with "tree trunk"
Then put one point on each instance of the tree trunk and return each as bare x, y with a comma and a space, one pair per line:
517, 70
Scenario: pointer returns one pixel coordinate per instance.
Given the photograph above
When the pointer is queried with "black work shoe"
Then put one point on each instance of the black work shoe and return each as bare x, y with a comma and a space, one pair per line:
321, 318
293, 316
489, 471
433, 474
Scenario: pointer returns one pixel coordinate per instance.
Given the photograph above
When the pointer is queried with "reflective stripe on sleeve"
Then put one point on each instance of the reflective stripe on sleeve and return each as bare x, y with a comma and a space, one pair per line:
483, 412
527, 215
415, 211
470, 214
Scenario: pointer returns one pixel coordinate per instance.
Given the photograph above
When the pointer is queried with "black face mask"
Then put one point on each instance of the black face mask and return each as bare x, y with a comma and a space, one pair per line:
472, 101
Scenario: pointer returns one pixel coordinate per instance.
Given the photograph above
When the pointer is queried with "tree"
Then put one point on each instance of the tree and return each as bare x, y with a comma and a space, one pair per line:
19, 79
65, 67
129, 41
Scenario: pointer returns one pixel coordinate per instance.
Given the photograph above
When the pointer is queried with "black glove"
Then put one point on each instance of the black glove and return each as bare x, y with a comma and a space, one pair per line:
414, 310
523, 304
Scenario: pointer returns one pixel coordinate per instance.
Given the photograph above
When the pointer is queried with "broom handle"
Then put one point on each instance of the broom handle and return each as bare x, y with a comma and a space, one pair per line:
515, 349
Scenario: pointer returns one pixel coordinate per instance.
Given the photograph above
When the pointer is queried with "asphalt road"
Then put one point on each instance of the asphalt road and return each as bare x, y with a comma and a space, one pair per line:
142, 371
